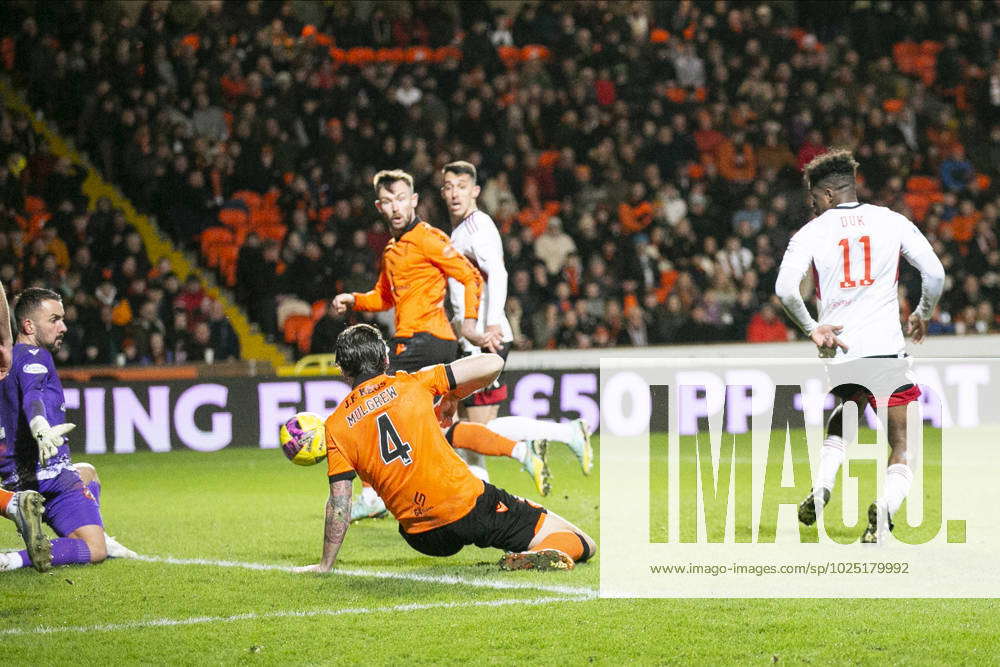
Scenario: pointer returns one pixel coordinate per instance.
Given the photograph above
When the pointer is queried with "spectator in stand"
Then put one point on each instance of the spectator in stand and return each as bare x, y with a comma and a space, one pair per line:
223, 338
766, 327
577, 136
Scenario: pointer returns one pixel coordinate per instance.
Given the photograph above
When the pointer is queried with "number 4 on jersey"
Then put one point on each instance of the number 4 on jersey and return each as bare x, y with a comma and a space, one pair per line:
390, 445
865, 241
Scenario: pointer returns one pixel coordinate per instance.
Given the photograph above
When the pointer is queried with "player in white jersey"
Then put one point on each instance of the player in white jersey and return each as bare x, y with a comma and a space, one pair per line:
475, 235
854, 251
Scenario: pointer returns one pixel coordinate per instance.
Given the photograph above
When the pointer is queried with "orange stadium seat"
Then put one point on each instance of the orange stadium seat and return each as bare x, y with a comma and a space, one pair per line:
33, 205
510, 55
360, 55
923, 184
535, 52
659, 36
228, 254
419, 54
390, 55
249, 197
905, 55
272, 232
918, 203
7, 53
213, 238
298, 331
443, 53
234, 216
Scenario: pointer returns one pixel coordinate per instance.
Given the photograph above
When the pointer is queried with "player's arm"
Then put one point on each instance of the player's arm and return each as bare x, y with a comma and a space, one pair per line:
489, 257
378, 298
6, 337
31, 379
793, 268
338, 519
442, 254
919, 253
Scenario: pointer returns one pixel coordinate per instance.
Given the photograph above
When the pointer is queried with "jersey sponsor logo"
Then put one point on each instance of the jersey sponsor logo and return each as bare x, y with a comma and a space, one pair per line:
33, 351
35, 369
501, 507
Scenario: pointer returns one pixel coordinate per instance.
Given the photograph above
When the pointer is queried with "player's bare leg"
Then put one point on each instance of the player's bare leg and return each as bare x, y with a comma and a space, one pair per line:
898, 478
557, 545
576, 435
469, 437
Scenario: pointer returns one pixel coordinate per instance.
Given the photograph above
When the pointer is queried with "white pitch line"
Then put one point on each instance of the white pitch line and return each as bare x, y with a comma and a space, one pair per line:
407, 576
195, 620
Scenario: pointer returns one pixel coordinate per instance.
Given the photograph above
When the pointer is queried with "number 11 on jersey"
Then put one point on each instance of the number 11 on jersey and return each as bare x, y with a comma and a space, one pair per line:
847, 282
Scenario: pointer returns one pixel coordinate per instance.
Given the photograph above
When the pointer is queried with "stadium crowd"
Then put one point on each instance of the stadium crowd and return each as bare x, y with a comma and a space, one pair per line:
642, 159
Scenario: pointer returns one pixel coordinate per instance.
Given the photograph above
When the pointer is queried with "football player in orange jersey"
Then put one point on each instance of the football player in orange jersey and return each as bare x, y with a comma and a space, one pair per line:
416, 265
386, 432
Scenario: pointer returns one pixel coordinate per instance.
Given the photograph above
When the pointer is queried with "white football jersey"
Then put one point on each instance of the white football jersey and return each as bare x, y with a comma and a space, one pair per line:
477, 238
854, 252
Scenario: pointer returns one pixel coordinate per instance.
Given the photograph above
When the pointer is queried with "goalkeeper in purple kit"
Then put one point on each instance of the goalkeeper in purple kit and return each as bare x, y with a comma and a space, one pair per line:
34, 453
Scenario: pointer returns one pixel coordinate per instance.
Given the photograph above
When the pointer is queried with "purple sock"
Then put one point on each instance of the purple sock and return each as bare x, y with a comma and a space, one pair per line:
95, 490
66, 551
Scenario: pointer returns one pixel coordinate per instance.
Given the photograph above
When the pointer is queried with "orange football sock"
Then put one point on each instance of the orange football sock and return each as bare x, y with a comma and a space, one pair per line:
5, 498
478, 438
570, 544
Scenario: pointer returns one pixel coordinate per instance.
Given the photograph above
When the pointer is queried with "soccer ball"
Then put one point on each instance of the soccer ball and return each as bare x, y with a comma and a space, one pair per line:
303, 439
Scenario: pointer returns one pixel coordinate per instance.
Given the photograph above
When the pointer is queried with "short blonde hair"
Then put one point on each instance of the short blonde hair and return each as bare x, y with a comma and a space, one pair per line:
461, 167
837, 163
387, 177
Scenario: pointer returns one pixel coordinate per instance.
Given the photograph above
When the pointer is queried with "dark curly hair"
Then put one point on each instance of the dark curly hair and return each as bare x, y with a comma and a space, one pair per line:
361, 352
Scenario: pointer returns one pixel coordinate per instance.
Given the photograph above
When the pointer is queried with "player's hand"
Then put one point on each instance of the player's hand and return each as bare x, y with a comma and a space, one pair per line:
445, 410
49, 438
497, 337
825, 337
487, 340
342, 303
318, 567
916, 328
6, 358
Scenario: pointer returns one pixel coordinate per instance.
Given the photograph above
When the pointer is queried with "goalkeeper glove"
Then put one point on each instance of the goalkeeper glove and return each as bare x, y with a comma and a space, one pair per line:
49, 438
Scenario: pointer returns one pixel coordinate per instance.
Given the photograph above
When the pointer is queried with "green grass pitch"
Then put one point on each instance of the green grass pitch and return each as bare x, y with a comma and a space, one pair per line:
251, 506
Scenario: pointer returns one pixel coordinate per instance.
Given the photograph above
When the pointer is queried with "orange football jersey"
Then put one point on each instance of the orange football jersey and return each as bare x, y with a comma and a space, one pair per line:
414, 280
386, 431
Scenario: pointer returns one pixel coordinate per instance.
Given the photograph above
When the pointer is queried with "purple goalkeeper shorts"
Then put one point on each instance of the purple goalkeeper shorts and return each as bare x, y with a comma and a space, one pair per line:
68, 503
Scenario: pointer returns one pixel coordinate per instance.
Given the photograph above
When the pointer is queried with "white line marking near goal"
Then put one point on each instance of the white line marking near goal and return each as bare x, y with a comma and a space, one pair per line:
407, 576
195, 620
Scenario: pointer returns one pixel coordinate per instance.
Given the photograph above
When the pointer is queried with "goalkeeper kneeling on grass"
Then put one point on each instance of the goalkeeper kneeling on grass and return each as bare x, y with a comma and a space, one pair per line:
386, 432
34, 454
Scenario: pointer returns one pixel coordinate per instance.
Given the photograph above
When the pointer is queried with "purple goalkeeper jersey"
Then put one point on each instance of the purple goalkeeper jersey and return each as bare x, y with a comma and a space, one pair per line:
32, 388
